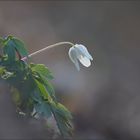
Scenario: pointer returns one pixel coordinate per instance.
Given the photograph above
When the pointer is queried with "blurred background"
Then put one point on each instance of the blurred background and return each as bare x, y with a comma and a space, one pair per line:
104, 98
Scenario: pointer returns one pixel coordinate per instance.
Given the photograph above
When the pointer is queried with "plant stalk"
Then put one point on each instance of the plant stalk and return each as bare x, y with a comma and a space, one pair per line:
47, 48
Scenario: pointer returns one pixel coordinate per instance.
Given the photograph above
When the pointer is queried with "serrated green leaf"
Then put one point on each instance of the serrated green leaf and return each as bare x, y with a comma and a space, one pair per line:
41, 77
11, 45
48, 86
64, 126
19, 45
63, 111
43, 91
42, 70
63, 119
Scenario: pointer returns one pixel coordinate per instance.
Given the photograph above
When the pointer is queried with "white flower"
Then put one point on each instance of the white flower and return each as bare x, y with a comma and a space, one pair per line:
80, 52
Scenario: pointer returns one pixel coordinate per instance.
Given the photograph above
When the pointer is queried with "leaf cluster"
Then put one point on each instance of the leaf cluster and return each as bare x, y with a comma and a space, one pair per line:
30, 84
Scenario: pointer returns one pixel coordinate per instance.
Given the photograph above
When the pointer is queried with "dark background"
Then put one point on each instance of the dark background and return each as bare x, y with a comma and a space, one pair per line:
104, 98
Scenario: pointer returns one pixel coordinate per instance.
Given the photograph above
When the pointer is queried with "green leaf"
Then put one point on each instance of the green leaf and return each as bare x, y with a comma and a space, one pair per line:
11, 46
9, 50
64, 126
43, 109
6, 40
19, 45
41, 73
47, 85
63, 118
42, 90
42, 70
63, 111
36, 96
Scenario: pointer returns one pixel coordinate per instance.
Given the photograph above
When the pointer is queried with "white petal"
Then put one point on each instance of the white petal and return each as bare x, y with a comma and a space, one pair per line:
72, 54
73, 57
77, 65
85, 61
83, 50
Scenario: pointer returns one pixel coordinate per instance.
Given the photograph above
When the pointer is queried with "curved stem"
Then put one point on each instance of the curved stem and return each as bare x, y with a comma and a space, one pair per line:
48, 47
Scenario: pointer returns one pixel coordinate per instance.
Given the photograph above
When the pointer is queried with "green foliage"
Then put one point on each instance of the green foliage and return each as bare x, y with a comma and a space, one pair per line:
42, 75
43, 108
62, 116
42, 70
12, 46
30, 84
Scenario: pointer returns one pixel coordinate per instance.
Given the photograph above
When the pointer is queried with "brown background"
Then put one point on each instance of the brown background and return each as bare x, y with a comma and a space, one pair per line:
105, 98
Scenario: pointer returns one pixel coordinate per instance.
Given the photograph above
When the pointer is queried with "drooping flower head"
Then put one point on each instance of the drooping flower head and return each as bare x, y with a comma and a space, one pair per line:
80, 52
77, 52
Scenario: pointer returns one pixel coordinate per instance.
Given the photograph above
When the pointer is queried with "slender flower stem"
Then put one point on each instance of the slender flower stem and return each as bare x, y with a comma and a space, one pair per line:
47, 48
